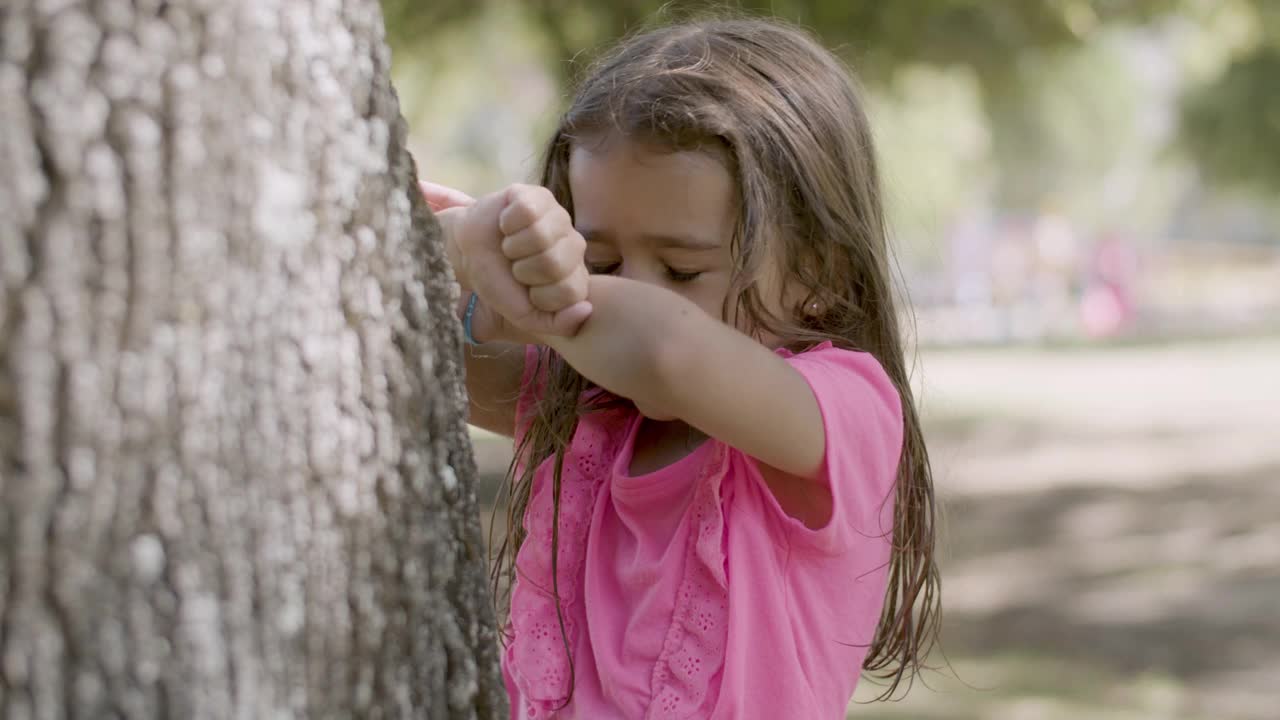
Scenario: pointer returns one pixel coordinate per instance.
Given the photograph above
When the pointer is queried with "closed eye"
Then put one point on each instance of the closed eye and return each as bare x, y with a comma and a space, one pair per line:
603, 268
682, 276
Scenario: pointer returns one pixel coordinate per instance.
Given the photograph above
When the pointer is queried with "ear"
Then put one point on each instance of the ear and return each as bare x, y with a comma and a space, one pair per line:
805, 302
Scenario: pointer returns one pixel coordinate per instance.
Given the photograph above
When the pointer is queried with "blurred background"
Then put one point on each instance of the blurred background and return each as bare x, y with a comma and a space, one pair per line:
1083, 200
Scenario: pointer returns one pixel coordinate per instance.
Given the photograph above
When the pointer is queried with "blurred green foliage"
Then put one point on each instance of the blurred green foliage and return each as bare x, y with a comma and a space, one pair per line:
1233, 126
1230, 123
878, 36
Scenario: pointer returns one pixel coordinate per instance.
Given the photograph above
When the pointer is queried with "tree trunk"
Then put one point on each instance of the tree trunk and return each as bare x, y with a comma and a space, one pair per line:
236, 479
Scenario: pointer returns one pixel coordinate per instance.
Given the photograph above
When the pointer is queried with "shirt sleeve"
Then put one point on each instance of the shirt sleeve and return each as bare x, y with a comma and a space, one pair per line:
863, 427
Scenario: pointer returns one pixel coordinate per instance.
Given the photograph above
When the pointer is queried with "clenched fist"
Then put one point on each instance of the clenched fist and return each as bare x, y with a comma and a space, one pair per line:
518, 251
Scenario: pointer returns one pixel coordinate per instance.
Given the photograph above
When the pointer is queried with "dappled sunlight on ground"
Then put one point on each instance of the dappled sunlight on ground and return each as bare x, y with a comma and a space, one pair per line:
1113, 540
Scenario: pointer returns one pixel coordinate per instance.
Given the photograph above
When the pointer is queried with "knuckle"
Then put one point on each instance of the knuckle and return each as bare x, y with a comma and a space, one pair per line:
557, 212
540, 193
523, 208
549, 262
532, 270
541, 300
570, 251
542, 293
523, 272
543, 237
564, 265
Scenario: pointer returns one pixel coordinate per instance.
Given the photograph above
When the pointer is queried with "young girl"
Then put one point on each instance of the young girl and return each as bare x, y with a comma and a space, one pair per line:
721, 505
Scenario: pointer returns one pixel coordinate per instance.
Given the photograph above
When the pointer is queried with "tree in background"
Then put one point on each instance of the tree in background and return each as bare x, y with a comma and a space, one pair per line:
1232, 121
879, 36
1229, 122
235, 476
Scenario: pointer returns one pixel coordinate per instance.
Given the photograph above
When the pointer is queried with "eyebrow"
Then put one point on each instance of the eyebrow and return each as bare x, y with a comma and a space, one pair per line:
684, 242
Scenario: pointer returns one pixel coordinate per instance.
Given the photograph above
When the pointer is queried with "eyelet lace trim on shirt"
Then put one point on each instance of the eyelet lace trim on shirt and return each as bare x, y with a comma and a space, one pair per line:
538, 664
693, 651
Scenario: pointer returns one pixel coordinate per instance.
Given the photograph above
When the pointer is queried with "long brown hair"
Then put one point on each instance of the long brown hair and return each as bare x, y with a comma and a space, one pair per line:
784, 116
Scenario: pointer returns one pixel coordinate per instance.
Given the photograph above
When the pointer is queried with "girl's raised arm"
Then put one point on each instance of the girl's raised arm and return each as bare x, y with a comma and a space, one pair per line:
517, 251
674, 361
494, 369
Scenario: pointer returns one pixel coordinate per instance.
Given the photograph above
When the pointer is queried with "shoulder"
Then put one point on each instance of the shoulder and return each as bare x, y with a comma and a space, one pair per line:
848, 377
862, 429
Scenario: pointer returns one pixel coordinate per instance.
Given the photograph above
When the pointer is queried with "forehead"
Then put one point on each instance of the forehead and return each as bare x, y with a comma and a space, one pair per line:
627, 188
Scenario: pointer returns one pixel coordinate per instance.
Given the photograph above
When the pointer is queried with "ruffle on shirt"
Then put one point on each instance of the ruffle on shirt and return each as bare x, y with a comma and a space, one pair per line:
536, 654
693, 649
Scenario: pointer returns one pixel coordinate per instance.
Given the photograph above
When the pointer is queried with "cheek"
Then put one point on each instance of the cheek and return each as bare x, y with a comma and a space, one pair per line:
740, 317
710, 296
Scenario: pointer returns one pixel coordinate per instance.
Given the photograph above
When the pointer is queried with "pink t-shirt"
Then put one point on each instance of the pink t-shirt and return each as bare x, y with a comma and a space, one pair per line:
688, 592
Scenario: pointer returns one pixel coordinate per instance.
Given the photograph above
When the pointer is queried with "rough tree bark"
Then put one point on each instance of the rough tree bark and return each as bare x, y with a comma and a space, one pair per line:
235, 478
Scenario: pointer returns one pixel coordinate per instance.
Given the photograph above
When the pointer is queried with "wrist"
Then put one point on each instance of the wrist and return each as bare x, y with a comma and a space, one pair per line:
487, 326
451, 220
474, 317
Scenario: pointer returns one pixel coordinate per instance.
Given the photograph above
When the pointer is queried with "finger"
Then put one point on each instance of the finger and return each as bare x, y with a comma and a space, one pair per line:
537, 238
569, 321
557, 296
565, 323
441, 197
552, 266
525, 204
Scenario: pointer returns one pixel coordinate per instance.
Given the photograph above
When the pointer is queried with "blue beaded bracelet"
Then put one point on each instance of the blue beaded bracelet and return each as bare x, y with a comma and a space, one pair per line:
466, 320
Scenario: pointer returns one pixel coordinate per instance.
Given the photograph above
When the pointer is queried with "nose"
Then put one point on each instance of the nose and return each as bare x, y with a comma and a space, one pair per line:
636, 271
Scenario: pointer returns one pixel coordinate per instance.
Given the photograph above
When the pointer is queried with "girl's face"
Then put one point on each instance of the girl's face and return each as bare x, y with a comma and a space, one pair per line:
660, 217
